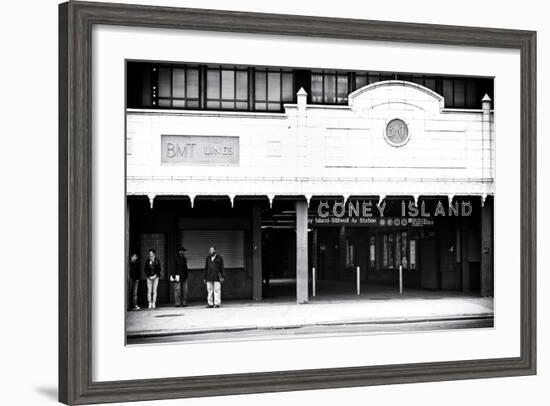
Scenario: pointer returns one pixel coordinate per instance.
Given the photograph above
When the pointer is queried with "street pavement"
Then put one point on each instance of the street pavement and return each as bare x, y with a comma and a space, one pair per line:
319, 331
370, 312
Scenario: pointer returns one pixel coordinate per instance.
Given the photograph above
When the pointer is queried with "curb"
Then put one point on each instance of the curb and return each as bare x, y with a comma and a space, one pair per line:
394, 320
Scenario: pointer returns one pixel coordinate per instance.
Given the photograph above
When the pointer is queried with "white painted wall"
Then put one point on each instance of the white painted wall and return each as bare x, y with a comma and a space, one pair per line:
319, 150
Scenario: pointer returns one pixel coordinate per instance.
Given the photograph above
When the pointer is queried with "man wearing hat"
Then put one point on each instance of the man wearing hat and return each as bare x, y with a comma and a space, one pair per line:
179, 279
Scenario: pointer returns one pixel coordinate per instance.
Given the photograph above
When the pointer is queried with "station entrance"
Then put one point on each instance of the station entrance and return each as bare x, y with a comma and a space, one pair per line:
393, 250
388, 251
279, 263
336, 256
343, 256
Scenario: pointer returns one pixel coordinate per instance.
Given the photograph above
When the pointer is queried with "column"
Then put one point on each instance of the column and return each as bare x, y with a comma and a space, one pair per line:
487, 248
464, 236
301, 252
256, 252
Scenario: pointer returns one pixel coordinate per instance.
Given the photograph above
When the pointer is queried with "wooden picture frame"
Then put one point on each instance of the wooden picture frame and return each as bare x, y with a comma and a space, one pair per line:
76, 20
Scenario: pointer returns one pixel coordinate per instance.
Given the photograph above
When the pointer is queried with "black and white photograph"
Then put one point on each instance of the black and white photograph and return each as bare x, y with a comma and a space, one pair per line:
273, 202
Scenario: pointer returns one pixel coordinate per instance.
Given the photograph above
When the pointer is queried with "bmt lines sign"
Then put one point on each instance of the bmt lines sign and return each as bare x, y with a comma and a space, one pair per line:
199, 150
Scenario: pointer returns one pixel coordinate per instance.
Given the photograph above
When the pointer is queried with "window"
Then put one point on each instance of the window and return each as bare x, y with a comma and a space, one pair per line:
360, 80
178, 82
272, 89
165, 83
253, 88
342, 89
317, 88
226, 88
430, 83
448, 91
459, 93
472, 94
418, 79
213, 88
426, 81
373, 78
178, 87
329, 87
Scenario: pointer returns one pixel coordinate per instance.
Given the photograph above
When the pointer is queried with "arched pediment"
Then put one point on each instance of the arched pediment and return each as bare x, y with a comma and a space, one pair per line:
395, 91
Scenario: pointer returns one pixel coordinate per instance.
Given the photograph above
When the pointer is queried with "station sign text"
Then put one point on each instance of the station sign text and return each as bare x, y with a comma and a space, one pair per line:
199, 150
367, 209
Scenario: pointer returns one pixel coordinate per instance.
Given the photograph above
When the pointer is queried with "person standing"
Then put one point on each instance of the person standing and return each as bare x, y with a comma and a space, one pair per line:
179, 279
152, 272
134, 274
213, 278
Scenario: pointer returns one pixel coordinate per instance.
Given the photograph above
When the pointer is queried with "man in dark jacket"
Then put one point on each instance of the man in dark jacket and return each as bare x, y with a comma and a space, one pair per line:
152, 271
179, 279
213, 277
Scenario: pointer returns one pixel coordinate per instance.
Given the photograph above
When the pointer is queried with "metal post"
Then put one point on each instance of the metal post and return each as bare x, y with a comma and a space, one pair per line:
400, 279
313, 282
358, 280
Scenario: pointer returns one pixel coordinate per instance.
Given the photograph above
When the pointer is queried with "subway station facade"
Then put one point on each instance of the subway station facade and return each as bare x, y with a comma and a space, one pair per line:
301, 174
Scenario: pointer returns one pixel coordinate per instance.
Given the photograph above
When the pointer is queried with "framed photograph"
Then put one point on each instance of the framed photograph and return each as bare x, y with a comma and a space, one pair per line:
260, 202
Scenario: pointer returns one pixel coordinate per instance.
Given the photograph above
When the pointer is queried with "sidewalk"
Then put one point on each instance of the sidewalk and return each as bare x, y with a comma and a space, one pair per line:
375, 308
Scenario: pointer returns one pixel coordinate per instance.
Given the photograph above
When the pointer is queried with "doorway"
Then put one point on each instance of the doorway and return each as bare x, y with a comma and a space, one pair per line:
429, 269
279, 263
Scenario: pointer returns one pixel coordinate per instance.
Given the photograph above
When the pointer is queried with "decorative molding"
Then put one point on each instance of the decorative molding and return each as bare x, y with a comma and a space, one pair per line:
151, 200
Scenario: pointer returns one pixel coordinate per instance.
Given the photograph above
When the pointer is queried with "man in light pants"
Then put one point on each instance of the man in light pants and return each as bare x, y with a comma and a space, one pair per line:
152, 270
213, 278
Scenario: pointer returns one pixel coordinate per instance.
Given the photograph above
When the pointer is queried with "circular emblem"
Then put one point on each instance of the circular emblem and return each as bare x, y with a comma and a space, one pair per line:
397, 132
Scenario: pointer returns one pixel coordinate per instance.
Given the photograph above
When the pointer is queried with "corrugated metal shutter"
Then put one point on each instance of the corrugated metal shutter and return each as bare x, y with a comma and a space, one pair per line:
229, 244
